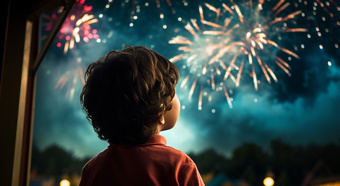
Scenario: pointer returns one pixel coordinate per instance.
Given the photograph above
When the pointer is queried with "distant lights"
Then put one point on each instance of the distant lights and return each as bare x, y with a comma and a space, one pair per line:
65, 182
135, 17
329, 63
321, 47
309, 36
131, 24
179, 19
161, 16
107, 6
146, 4
302, 46
183, 107
336, 45
165, 26
100, 15
213, 111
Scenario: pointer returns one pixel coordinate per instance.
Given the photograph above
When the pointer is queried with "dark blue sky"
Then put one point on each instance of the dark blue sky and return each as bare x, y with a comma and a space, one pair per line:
299, 109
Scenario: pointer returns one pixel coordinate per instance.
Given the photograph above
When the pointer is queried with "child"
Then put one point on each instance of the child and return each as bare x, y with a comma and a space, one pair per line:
129, 97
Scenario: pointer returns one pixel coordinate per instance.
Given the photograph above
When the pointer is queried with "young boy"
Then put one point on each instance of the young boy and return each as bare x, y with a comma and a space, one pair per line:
129, 97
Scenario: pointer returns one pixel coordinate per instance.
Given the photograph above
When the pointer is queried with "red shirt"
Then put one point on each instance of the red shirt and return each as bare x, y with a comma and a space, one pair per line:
152, 163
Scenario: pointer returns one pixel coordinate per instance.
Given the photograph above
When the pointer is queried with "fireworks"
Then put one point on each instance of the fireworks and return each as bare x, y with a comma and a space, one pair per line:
71, 77
77, 27
240, 37
327, 7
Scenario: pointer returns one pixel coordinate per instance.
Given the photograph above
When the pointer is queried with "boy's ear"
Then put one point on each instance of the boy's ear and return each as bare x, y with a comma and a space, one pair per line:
162, 120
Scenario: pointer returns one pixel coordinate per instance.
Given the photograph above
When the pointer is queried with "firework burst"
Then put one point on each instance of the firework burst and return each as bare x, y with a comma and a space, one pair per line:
76, 27
70, 79
240, 36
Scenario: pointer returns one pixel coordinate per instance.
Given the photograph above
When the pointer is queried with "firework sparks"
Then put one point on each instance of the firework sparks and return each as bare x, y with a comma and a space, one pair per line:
200, 51
238, 32
71, 78
327, 6
77, 27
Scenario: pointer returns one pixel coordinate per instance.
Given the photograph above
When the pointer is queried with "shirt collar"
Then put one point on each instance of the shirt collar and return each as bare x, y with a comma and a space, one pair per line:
156, 139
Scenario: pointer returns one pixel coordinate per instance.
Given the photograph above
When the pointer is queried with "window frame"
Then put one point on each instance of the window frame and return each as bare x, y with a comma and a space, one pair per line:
18, 81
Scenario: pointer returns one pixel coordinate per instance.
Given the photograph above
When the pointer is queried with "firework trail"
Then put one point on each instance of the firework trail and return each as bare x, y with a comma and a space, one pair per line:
70, 79
239, 37
76, 27
327, 6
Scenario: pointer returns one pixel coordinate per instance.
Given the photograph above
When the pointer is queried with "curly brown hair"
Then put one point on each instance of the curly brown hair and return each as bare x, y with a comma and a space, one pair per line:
127, 92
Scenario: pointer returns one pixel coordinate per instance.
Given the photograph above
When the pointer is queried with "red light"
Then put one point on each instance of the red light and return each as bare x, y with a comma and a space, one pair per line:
59, 44
86, 39
87, 8
67, 38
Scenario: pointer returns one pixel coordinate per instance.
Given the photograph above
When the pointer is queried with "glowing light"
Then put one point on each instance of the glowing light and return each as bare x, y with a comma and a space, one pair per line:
268, 181
65, 183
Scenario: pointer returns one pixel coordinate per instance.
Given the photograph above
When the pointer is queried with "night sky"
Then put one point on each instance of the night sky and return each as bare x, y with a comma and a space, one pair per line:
299, 109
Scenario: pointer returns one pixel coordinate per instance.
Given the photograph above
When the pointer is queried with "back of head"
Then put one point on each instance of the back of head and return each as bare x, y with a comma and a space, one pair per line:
127, 92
